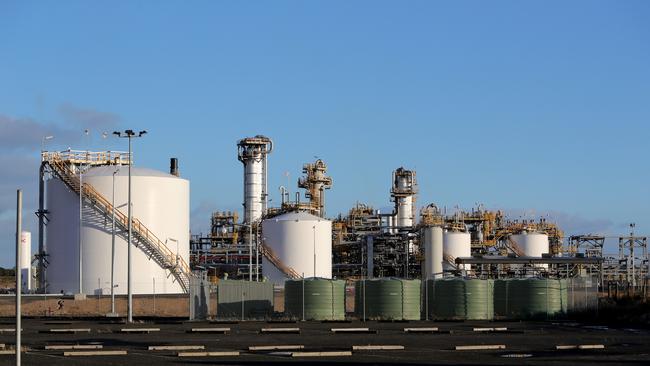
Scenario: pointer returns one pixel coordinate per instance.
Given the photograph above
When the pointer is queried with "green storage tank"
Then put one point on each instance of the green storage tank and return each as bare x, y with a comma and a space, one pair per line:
530, 298
324, 299
501, 299
460, 299
387, 299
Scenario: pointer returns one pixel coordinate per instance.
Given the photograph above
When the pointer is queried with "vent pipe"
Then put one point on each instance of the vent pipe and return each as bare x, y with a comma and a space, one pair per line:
173, 167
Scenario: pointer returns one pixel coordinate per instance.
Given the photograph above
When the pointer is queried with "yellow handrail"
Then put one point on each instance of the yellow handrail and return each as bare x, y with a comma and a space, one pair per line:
273, 258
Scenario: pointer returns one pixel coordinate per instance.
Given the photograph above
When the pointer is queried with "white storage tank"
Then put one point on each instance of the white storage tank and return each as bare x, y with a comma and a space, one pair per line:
294, 238
455, 244
26, 260
432, 240
531, 244
159, 200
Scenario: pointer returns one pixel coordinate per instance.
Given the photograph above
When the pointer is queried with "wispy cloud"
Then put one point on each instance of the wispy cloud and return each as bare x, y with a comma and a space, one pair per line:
88, 117
20, 141
22, 174
26, 134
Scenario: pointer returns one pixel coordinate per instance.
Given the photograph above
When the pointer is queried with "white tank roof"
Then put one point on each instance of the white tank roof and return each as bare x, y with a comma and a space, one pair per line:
107, 170
297, 216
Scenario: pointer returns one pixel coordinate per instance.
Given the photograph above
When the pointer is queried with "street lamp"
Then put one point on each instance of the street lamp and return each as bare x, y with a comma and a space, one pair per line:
314, 227
81, 195
129, 134
250, 249
172, 239
45, 138
113, 249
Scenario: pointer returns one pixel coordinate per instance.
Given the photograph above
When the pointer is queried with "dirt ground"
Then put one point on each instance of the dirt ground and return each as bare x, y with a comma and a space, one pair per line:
66, 306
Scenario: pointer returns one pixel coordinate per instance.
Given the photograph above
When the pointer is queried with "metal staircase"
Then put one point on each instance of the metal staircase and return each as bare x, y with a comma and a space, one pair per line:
451, 260
142, 237
267, 252
512, 245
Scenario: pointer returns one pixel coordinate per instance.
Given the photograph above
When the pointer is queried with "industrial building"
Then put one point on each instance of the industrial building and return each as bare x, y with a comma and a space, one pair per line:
84, 233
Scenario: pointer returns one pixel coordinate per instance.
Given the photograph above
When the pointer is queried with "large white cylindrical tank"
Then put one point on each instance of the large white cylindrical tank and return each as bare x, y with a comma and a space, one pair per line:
294, 238
432, 240
159, 200
253, 189
455, 244
26, 260
531, 244
404, 215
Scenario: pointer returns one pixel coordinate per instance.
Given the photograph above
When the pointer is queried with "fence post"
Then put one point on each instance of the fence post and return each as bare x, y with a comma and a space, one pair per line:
303, 296
154, 295
364, 299
426, 299
243, 296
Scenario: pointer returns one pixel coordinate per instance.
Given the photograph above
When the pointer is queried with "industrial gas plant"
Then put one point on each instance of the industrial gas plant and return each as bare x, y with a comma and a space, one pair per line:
107, 226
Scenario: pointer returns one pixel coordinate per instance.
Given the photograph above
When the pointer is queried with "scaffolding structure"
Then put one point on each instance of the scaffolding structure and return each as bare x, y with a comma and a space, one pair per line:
315, 182
633, 257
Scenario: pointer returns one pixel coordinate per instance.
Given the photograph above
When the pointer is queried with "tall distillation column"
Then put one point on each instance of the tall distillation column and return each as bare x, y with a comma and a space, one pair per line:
315, 182
252, 152
403, 194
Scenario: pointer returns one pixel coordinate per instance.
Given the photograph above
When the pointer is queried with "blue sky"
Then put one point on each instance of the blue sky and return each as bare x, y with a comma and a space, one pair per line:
536, 107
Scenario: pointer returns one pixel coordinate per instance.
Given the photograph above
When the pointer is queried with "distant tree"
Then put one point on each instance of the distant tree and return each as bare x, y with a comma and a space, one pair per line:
7, 272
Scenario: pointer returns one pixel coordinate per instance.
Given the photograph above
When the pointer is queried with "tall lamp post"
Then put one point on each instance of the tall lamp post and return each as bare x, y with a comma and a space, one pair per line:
129, 134
314, 227
82, 169
45, 138
113, 249
176, 241
250, 249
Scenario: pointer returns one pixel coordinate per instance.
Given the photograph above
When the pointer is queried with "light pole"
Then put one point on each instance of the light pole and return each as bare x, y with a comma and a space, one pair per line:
128, 134
81, 205
19, 229
81, 195
314, 227
174, 240
113, 249
250, 253
250, 249
45, 138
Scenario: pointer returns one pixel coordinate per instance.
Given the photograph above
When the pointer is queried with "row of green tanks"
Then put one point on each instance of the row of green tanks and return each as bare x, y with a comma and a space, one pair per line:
487, 299
375, 299
453, 298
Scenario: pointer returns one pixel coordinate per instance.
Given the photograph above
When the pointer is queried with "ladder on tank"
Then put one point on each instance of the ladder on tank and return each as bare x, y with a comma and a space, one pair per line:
267, 252
146, 240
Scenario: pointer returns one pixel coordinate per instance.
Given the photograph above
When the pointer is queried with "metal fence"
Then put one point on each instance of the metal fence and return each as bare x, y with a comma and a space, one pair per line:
244, 299
582, 294
200, 297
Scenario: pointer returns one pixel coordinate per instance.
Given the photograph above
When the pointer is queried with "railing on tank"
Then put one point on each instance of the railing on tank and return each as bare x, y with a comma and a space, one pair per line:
267, 252
78, 157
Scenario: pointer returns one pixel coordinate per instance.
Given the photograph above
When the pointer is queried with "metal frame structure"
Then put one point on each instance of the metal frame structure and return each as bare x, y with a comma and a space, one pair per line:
315, 182
634, 272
